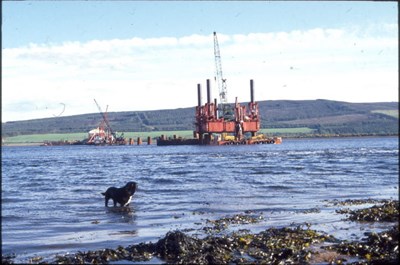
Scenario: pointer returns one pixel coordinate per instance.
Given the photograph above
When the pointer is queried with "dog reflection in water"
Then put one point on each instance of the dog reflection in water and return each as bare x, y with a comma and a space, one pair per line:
121, 215
122, 196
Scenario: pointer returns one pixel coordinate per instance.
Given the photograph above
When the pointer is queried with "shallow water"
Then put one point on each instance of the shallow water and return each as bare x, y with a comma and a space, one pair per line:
51, 201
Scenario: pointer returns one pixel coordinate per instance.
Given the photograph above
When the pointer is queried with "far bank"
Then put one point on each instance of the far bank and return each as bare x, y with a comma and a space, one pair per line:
67, 138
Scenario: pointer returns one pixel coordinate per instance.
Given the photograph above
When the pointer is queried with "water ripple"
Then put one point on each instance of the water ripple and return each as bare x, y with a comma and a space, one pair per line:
51, 199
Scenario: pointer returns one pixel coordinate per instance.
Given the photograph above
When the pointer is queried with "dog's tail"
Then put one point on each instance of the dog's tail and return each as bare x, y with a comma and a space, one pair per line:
103, 193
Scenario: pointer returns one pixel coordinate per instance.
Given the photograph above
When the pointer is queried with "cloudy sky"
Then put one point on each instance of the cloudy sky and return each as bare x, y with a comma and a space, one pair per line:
57, 57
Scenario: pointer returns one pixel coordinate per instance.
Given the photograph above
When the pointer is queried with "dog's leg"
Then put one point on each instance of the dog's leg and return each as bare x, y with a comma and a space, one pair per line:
115, 203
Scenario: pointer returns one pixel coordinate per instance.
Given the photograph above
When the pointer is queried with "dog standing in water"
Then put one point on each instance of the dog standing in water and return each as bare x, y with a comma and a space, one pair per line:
122, 195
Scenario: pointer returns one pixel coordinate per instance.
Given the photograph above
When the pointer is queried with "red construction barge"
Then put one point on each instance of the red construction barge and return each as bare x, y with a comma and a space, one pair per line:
214, 127
224, 125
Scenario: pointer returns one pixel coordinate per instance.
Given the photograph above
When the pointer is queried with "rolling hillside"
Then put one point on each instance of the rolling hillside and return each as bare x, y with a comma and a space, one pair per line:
322, 116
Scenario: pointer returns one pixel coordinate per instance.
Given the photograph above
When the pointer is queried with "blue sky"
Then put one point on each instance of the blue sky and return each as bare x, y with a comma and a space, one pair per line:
58, 21
149, 51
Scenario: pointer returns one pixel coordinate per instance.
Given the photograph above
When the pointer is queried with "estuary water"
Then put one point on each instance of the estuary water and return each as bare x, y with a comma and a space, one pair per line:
52, 202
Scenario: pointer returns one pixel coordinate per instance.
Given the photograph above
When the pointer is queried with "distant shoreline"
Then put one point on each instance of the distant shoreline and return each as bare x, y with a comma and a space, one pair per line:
281, 118
283, 137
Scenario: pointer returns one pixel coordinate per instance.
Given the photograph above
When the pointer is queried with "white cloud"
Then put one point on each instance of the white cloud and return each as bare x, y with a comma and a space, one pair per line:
157, 73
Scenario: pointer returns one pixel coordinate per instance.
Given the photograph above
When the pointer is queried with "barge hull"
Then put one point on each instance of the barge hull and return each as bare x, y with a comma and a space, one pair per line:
165, 142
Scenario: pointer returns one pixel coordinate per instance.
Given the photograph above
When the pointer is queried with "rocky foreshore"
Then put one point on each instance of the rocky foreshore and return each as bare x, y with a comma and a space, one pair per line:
287, 245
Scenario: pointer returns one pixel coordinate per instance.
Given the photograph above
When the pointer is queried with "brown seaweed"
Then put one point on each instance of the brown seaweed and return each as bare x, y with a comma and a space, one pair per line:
272, 246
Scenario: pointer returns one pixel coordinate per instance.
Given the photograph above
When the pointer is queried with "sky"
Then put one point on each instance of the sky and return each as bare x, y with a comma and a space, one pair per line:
58, 56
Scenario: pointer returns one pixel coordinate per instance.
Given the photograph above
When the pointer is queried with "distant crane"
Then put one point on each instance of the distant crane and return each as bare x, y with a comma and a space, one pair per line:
105, 120
223, 92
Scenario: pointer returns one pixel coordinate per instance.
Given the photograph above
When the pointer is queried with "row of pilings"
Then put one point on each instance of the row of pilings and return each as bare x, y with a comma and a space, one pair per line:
139, 141
163, 137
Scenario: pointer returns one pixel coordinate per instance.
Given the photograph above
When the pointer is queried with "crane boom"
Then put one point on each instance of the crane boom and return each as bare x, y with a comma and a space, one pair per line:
223, 92
104, 118
225, 110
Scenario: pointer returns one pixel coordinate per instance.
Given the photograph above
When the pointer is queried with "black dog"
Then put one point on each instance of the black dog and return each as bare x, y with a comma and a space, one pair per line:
122, 195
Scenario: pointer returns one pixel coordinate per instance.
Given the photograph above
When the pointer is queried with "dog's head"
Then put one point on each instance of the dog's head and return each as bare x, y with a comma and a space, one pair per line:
131, 187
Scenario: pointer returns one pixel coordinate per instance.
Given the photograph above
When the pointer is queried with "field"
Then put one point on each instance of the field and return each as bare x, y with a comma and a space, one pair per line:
287, 131
40, 138
392, 113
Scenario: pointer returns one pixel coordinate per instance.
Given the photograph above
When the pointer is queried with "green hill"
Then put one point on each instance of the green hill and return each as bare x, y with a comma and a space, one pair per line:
321, 116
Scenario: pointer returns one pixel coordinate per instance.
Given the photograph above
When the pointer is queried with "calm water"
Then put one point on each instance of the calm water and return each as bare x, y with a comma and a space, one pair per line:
51, 201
